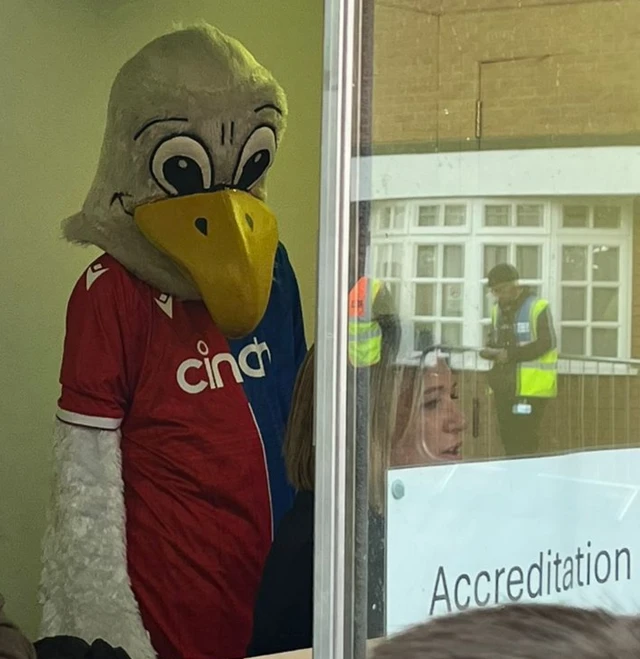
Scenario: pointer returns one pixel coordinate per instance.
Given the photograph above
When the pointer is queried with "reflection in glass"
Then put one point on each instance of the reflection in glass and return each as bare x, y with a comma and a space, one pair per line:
428, 216
604, 342
394, 290
529, 215
575, 217
605, 263
494, 254
574, 263
426, 265
574, 303
487, 302
604, 306
396, 260
606, 217
388, 260
497, 215
455, 215
425, 304
528, 261
453, 261
398, 218
486, 332
452, 334
423, 336
452, 299
573, 341
385, 218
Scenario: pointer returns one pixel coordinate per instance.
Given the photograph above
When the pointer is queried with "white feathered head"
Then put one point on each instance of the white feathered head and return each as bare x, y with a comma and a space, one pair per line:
193, 126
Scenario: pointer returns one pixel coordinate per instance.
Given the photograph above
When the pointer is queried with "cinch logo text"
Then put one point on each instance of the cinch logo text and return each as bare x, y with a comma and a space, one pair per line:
196, 375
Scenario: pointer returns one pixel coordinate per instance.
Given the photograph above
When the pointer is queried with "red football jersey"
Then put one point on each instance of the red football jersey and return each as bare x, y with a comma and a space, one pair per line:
196, 486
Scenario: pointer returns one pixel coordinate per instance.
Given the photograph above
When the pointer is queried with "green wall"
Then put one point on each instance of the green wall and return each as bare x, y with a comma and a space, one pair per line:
57, 61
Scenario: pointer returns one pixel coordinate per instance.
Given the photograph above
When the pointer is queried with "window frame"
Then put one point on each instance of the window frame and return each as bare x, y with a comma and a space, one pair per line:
473, 236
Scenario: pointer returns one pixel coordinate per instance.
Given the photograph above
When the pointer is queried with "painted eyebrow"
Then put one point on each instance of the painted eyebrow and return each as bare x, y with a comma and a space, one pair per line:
269, 106
152, 122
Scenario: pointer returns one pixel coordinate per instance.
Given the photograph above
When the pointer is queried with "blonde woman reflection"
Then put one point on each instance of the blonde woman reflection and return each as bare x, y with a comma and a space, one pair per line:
414, 420
430, 422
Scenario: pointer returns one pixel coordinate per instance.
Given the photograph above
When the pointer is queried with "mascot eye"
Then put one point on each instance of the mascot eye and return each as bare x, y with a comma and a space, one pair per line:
182, 166
256, 158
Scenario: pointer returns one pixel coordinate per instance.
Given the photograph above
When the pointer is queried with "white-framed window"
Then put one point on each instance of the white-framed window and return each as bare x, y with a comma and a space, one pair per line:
574, 252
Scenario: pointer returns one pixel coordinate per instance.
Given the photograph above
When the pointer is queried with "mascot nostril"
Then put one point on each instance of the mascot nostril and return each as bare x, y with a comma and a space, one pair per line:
183, 342
202, 225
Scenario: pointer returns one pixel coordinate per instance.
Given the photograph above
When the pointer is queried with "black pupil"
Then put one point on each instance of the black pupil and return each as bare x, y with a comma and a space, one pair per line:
254, 168
184, 174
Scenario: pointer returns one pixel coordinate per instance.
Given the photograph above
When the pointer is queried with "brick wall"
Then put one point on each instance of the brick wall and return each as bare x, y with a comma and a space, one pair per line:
543, 70
547, 72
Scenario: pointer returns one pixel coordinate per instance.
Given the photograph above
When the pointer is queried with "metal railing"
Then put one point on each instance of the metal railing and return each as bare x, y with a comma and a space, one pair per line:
597, 405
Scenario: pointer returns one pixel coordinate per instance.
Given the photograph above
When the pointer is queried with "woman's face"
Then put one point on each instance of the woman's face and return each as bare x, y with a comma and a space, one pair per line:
434, 433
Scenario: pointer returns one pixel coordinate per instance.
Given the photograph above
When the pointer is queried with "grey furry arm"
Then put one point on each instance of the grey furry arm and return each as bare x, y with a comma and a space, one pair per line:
85, 588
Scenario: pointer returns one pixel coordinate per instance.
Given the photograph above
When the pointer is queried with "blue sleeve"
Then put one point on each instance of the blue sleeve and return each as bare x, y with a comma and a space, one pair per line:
300, 341
282, 330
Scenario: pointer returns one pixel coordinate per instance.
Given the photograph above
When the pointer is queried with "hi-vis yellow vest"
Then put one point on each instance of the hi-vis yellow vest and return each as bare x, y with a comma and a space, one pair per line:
539, 378
365, 335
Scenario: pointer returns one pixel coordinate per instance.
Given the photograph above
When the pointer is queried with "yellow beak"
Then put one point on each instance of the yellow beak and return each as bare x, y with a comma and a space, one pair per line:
226, 243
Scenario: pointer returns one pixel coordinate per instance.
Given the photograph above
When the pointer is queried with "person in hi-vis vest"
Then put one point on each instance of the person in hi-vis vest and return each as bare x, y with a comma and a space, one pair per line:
522, 346
371, 311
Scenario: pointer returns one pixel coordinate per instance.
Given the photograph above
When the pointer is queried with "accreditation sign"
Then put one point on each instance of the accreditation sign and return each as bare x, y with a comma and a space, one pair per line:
562, 529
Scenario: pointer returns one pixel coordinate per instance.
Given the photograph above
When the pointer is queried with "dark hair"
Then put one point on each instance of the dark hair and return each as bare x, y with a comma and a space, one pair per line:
501, 274
527, 631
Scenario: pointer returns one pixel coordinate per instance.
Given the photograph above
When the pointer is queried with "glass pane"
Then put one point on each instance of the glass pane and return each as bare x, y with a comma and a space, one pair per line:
384, 260
385, 218
575, 217
466, 211
529, 215
604, 305
397, 254
604, 342
394, 290
494, 254
606, 217
398, 217
425, 300
605, 263
497, 215
528, 261
423, 336
451, 334
574, 303
487, 301
572, 341
453, 261
574, 263
486, 330
455, 216
452, 295
428, 216
426, 265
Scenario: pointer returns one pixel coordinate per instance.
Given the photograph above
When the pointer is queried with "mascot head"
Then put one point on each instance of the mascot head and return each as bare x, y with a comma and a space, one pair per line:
193, 126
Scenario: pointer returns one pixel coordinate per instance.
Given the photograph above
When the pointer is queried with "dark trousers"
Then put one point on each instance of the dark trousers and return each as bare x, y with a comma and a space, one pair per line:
520, 433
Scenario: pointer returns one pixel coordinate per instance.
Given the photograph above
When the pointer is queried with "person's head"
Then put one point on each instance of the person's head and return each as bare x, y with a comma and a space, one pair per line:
526, 631
503, 282
429, 422
414, 419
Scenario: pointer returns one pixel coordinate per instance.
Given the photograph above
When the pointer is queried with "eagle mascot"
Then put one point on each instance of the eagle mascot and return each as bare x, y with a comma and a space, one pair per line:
183, 341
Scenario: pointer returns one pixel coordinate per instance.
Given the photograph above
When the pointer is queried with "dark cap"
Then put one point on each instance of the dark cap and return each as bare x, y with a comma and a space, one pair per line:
501, 274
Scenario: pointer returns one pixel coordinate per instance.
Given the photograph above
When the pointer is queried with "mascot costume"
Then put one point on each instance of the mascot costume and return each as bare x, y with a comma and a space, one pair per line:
182, 345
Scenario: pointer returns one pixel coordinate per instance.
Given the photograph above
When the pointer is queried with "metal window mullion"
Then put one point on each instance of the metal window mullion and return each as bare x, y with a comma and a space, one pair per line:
333, 611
